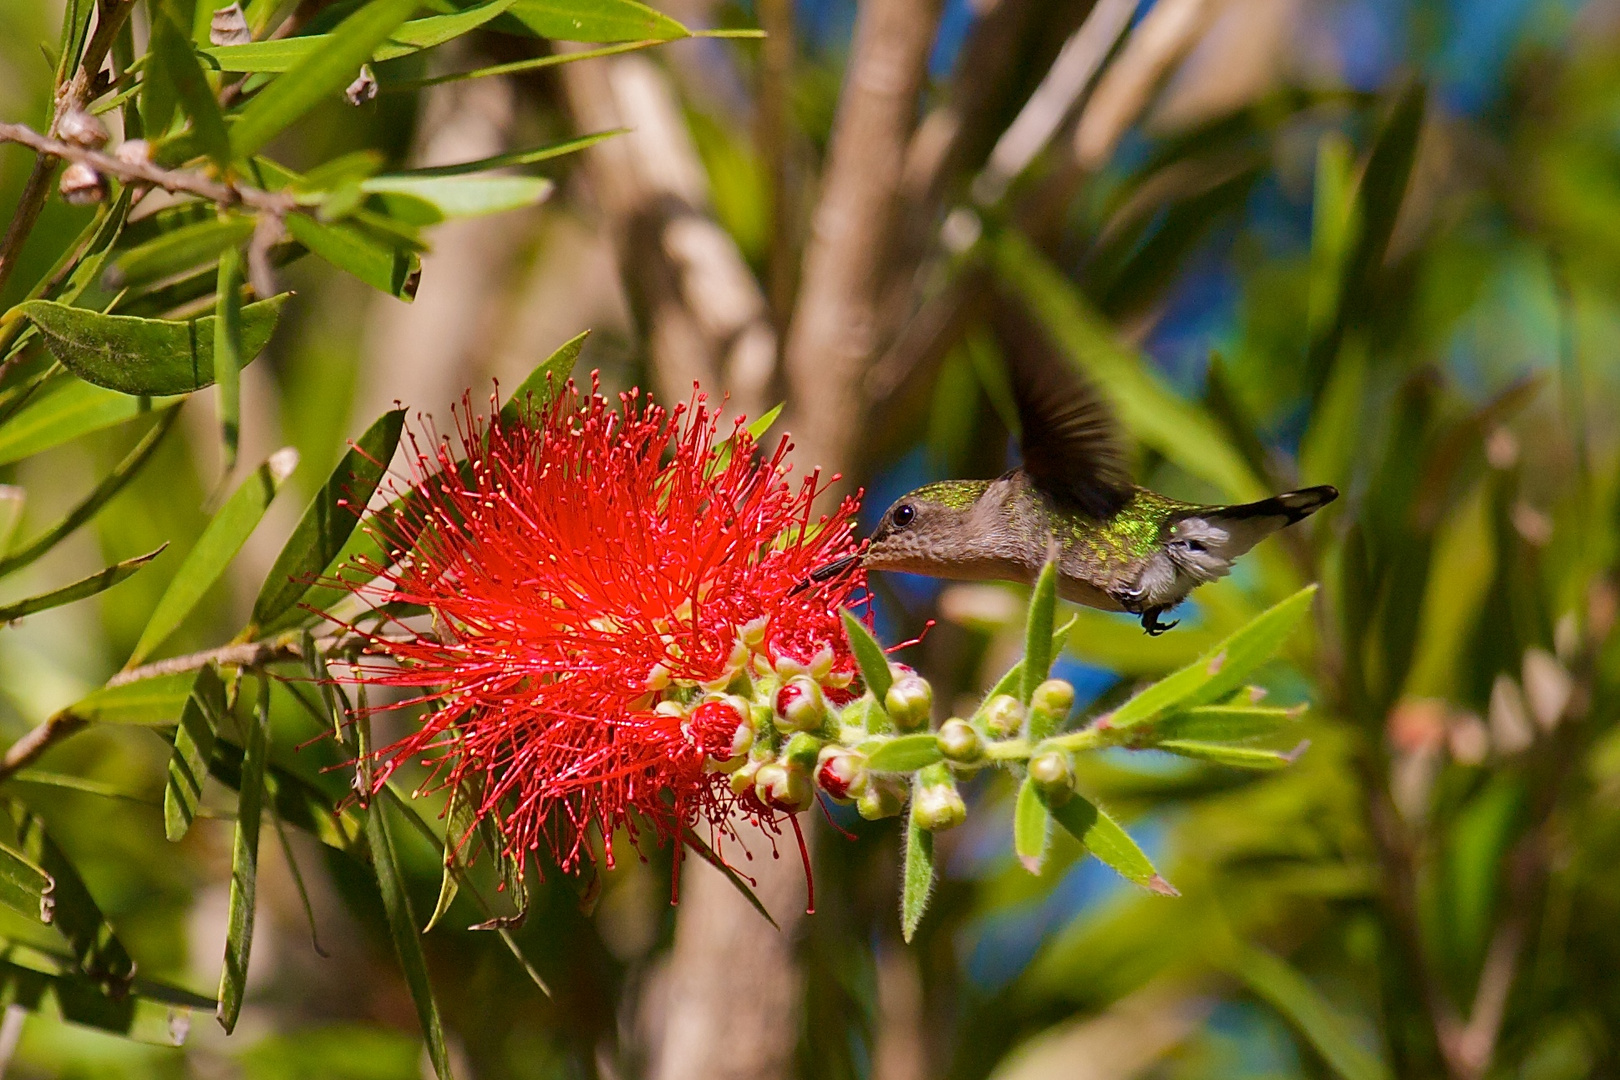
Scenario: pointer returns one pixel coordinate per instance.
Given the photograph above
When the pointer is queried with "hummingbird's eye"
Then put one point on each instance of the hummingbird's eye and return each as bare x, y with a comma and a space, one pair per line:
903, 515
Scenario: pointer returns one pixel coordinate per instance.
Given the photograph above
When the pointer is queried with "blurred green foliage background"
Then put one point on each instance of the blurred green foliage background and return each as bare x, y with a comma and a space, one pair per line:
1373, 243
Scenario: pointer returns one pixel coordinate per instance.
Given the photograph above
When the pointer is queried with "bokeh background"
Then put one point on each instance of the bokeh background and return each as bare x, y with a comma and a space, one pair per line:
1374, 243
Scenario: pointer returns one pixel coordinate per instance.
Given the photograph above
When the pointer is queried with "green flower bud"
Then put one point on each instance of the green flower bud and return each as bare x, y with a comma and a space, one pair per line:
802, 750
959, 742
1053, 774
909, 703
1049, 707
1004, 715
937, 807
742, 780
783, 787
884, 796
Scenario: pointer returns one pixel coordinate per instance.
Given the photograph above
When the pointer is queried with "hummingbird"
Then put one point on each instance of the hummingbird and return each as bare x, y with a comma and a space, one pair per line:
1117, 546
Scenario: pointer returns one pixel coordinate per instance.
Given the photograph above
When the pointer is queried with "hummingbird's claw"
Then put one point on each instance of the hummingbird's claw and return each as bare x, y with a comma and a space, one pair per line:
1152, 625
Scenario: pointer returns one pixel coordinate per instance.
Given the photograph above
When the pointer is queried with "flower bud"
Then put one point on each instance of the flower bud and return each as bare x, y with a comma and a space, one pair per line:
720, 728
938, 806
800, 705
1053, 775
783, 787
1049, 707
82, 129
742, 781
802, 751
884, 796
841, 773
134, 152
959, 742
1004, 715
81, 185
909, 703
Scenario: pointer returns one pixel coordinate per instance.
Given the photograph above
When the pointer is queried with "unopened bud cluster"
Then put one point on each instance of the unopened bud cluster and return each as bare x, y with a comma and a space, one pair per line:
783, 730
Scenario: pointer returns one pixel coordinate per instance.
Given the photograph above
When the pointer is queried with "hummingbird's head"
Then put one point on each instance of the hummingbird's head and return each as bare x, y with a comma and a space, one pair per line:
926, 530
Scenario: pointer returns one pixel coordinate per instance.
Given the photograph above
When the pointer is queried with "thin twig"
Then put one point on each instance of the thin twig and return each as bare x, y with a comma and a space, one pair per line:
250, 654
144, 172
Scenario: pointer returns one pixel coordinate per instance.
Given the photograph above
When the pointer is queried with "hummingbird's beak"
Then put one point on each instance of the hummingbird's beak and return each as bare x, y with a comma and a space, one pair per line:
824, 573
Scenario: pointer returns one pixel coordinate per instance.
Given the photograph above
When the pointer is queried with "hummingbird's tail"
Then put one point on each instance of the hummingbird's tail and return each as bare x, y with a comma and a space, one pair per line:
1203, 543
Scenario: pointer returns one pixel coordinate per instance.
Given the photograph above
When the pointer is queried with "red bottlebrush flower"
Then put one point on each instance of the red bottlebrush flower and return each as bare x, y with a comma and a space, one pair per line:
590, 573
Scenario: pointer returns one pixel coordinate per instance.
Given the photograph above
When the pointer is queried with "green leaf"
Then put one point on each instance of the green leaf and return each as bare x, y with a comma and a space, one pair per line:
147, 357
96, 949
464, 196
514, 158
413, 36
172, 53
708, 855
1149, 409
1238, 757
1302, 1005
756, 430
389, 269
154, 702
402, 928
24, 887
148, 1012
12, 501
176, 251
297, 801
1113, 846
917, 877
193, 748
1333, 228
905, 753
874, 664
1031, 825
89, 586
318, 76
544, 382
460, 820
219, 543
228, 358
1230, 723
1223, 669
596, 20
331, 516
245, 863
63, 411
1038, 647
109, 486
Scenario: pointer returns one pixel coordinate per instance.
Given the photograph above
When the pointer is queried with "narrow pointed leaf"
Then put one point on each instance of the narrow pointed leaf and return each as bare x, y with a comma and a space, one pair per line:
63, 411
389, 269
1038, 648
194, 739
297, 801
905, 753
155, 702
177, 250
874, 664
544, 382
402, 928
228, 357
917, 877
12, 501
171, 52
596, 20
96, 949
146, 357
319, 76
109, 486
1238, 757
1224, 668
245, 864
464, 196
460, 821
513, 158
330, 519
1230, 724
1031, 826
1304, 1007
84, 587
756, 430
1106, 839
418, 34
1012, 682
708, 855
219, 543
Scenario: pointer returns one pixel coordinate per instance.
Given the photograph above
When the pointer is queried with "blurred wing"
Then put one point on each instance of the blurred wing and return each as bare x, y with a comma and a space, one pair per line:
1071, 442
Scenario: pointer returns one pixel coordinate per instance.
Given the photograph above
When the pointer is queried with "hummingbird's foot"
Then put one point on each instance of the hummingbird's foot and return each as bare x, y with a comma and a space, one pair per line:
1151, 623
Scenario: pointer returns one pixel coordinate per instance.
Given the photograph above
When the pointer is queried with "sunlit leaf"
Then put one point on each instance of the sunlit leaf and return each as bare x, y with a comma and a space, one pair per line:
514, 158
329, 520
596, 20
148, 357
390, 269
245, 864
194, 739
61, 412
413, 36
229, 352
172, 54
917, 877
464, 196
869, 656
1038, 632
98, 582
1106, 839
905, 753
176, 250
1031, 825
